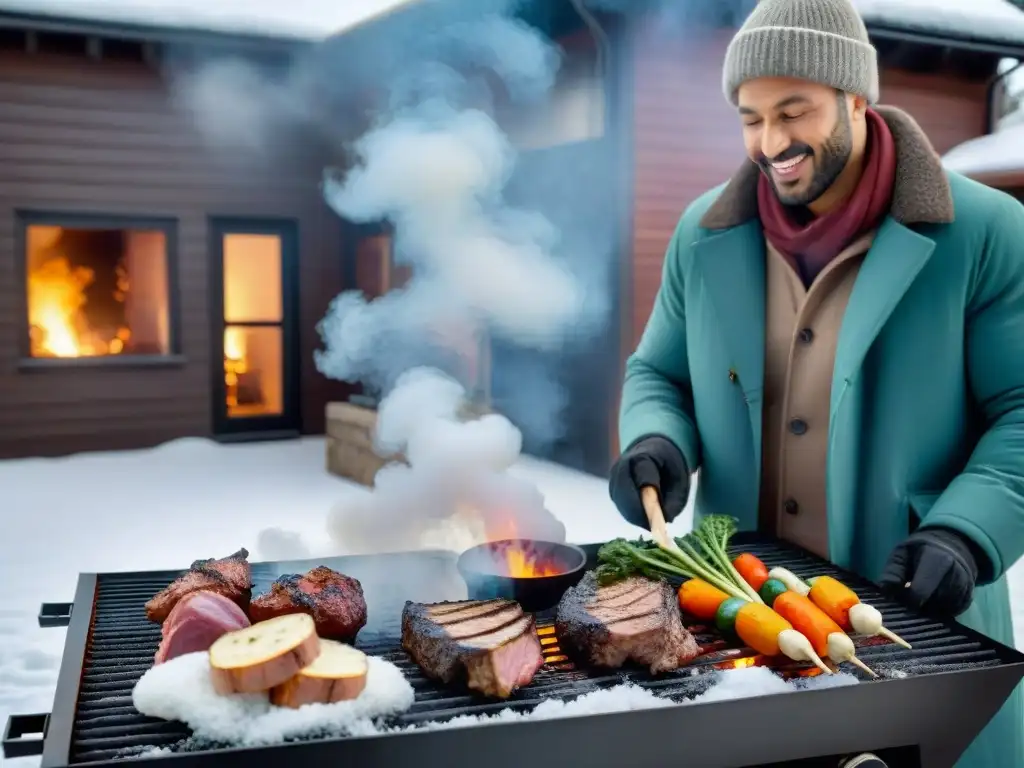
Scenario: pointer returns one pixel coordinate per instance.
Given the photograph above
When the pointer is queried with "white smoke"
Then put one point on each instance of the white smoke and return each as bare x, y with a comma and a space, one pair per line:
437, 173
455, 490
435, 166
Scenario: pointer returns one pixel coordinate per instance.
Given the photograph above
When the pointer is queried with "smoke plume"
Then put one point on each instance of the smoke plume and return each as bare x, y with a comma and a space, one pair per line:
530, 278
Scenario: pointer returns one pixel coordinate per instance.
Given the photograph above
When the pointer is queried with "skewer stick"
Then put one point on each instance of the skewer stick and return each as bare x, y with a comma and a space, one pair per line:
862, 666
656, 518
894, 638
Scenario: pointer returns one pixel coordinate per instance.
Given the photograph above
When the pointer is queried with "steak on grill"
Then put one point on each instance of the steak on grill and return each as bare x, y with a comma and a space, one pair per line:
196, 622
635, 619
492, 645
230, 576
334, 600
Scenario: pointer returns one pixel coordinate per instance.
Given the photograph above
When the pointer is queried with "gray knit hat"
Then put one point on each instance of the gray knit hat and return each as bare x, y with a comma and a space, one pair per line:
823, 41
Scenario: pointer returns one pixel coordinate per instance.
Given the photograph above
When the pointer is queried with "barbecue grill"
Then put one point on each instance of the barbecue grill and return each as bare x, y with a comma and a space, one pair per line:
928, 705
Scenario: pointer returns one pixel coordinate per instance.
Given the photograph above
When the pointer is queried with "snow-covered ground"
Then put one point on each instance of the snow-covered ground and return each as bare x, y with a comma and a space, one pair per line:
162, 508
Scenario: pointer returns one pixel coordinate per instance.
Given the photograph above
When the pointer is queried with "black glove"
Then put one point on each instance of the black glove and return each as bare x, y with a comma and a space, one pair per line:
651, 461
941, 568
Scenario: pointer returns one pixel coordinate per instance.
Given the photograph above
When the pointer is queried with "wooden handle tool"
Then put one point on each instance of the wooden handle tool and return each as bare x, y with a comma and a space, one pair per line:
656, 518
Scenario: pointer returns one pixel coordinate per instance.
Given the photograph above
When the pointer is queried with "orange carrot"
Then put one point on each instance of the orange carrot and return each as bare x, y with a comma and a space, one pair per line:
769, 634
827, 638
751, 569
845, 609
807, 619
834, 598
700, 599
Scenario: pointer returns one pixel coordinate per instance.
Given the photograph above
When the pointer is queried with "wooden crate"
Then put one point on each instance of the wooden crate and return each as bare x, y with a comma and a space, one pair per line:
349, 440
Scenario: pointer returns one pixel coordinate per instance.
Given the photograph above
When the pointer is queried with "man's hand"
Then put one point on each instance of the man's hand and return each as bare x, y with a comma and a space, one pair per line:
933, 570
651, 461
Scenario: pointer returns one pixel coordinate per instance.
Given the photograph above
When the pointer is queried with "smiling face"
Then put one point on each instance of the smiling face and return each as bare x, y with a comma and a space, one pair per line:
802, 135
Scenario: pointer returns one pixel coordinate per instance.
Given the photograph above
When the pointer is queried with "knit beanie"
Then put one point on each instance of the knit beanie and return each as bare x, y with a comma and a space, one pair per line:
823, 41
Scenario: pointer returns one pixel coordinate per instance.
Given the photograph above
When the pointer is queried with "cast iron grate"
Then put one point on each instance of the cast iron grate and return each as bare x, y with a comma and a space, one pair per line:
122, 643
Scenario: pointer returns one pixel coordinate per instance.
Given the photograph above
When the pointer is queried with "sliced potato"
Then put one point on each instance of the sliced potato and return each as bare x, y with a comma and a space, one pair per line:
338, 674
266, 654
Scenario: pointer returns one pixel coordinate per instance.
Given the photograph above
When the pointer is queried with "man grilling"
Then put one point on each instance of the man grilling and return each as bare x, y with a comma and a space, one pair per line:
837, 344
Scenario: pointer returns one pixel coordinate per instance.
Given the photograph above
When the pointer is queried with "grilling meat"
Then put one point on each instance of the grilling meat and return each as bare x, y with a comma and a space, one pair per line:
229, 576
632, 620
335, 602
490, 644
196, 622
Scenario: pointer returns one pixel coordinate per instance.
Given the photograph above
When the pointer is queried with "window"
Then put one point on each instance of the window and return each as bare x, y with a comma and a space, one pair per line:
253, 320
97, 288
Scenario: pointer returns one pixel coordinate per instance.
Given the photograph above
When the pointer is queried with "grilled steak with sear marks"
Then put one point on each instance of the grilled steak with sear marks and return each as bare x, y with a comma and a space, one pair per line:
635, 619
229, 576
334, 600
490, 644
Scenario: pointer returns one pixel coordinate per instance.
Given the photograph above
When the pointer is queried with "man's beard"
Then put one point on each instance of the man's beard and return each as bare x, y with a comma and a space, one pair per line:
829, 162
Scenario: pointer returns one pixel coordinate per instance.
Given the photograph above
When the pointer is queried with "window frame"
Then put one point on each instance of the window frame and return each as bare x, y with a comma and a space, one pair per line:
78, 220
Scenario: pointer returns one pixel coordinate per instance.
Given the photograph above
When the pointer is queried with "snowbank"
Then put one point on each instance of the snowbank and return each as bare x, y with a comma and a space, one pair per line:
999, 152
989, 20
300, 19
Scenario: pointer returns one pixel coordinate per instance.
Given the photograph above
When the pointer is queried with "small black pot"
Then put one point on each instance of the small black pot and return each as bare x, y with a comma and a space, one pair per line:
483, 569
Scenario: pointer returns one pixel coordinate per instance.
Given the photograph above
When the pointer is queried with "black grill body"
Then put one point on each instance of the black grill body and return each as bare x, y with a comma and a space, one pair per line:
928, 706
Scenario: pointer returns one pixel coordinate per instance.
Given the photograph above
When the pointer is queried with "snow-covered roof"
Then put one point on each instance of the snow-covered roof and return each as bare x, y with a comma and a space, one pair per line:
310, 20
996, 157
983, 20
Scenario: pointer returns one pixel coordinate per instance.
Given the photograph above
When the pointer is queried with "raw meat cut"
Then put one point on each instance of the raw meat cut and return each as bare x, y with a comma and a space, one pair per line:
635, 619
196, 622
334, 600
491, 644
230, 576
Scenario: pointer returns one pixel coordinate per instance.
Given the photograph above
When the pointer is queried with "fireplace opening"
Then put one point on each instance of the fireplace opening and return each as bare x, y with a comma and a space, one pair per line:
95, 293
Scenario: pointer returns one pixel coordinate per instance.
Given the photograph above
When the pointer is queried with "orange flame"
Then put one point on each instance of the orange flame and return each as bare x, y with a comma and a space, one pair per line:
520, 561
56, 301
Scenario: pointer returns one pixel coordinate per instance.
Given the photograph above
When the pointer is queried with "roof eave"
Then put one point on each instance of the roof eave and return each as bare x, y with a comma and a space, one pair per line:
244, 41
993, 47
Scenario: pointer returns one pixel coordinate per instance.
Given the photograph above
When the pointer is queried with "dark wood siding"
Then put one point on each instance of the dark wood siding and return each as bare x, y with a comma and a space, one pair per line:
686, 141
96, 136
950, 110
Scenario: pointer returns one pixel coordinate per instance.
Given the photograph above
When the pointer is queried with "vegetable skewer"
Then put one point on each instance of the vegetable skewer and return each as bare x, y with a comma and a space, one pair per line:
827, 638
751, 569
845, 609
793, 582
700, 599
767, 632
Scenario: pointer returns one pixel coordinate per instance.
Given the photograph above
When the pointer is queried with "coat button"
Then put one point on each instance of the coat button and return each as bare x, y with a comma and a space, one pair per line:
798, 426
790, 506
806, 335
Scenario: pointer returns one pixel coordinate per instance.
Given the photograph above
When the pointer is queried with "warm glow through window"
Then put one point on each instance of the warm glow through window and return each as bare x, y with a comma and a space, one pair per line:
253, 334
96, 292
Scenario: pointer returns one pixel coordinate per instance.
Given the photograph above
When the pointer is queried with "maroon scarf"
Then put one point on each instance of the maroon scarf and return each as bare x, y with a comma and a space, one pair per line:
813, 245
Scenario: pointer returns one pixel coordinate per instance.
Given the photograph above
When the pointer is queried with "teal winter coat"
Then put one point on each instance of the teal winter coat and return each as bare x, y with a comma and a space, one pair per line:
927, 400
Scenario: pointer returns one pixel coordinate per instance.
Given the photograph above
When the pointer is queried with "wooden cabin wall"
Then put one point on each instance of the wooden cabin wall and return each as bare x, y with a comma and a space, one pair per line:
950, 110
81, 135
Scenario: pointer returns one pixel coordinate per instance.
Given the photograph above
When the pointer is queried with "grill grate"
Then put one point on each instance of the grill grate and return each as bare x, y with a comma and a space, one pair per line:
122, 643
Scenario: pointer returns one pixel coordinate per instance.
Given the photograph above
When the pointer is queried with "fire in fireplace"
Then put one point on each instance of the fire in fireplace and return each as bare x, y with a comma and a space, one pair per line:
96, 292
